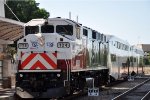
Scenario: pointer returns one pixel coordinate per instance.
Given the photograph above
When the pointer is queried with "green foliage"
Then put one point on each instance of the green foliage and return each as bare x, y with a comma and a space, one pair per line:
10, 51
147, 59
25, 10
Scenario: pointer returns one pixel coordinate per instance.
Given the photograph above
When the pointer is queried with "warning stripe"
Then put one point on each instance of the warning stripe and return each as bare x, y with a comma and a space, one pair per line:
38, 64
22, 54
32, 62
55, 54
27, 60
49, 60
25, 55
39, 61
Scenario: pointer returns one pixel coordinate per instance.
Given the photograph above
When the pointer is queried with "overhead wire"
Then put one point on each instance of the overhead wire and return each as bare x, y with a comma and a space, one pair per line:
11, 11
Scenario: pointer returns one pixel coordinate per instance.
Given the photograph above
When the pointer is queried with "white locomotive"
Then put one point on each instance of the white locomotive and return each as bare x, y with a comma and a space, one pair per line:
59, 56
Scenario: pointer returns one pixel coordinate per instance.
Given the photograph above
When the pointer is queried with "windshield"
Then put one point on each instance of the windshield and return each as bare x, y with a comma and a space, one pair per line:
64, 29
47, 29
31, 30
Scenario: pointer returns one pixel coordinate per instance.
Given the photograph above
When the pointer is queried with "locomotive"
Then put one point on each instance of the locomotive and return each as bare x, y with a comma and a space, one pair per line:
58, 56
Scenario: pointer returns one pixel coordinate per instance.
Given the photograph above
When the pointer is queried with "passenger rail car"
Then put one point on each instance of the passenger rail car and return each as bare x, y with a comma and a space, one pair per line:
123, 58
118, 57
60, 56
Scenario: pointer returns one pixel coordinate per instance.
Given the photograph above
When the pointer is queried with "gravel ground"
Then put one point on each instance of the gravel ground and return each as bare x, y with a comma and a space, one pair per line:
110, 92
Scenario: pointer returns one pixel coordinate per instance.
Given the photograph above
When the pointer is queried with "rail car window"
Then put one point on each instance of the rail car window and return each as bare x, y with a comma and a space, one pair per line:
117, 44
113, 57
93, 34
105, 38
64, 29
47, 29
131, 59
134, 59
98, 36
130, 48
126, 47
85, 32
31, 30
102, 37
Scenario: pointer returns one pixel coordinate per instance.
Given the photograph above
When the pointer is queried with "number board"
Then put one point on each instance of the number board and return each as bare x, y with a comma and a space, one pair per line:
63, 44
23, 45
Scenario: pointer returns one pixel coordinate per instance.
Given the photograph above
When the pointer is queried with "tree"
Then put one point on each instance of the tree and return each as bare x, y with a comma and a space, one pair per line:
25, 10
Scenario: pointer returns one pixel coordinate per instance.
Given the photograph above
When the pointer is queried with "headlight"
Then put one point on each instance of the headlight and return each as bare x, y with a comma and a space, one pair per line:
23, 45
21, 75
58, 75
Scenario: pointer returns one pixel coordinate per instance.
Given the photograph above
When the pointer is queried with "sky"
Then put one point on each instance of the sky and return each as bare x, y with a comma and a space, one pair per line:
126, 19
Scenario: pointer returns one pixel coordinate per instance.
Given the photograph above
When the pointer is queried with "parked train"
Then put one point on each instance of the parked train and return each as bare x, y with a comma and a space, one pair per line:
59, 56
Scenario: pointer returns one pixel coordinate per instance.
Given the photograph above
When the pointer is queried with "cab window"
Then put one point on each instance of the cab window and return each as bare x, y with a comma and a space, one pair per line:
64, 29
31, 30
47, 29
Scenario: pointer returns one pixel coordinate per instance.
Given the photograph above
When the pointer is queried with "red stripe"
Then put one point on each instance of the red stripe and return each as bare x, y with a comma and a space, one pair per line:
28, 59
38, 64
22, 54
49, 60
19, 65
55, 54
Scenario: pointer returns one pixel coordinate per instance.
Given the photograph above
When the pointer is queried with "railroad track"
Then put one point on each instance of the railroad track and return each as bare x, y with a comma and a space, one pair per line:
74, 95
139, 92
108, 92
79, 94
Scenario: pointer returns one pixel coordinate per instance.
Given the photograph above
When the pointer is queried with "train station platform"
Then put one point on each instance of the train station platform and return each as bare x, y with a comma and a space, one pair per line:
7, 94
10, 31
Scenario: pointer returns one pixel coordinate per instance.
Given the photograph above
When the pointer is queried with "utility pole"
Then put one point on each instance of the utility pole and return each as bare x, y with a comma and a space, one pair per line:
70, 15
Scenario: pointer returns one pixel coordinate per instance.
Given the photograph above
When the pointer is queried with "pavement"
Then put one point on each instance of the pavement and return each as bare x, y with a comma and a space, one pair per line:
7, 94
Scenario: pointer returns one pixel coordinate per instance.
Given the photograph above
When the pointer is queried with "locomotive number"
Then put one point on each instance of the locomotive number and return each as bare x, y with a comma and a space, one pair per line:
63, 45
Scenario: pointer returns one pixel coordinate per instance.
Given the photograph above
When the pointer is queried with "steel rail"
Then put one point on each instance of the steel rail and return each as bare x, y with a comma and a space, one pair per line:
146, 97
130, 90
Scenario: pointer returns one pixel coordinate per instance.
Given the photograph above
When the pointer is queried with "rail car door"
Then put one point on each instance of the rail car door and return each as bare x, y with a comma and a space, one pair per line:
118, 65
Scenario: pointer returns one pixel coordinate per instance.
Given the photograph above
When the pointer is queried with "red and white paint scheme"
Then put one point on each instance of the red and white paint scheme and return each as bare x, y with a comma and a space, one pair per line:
40, 61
